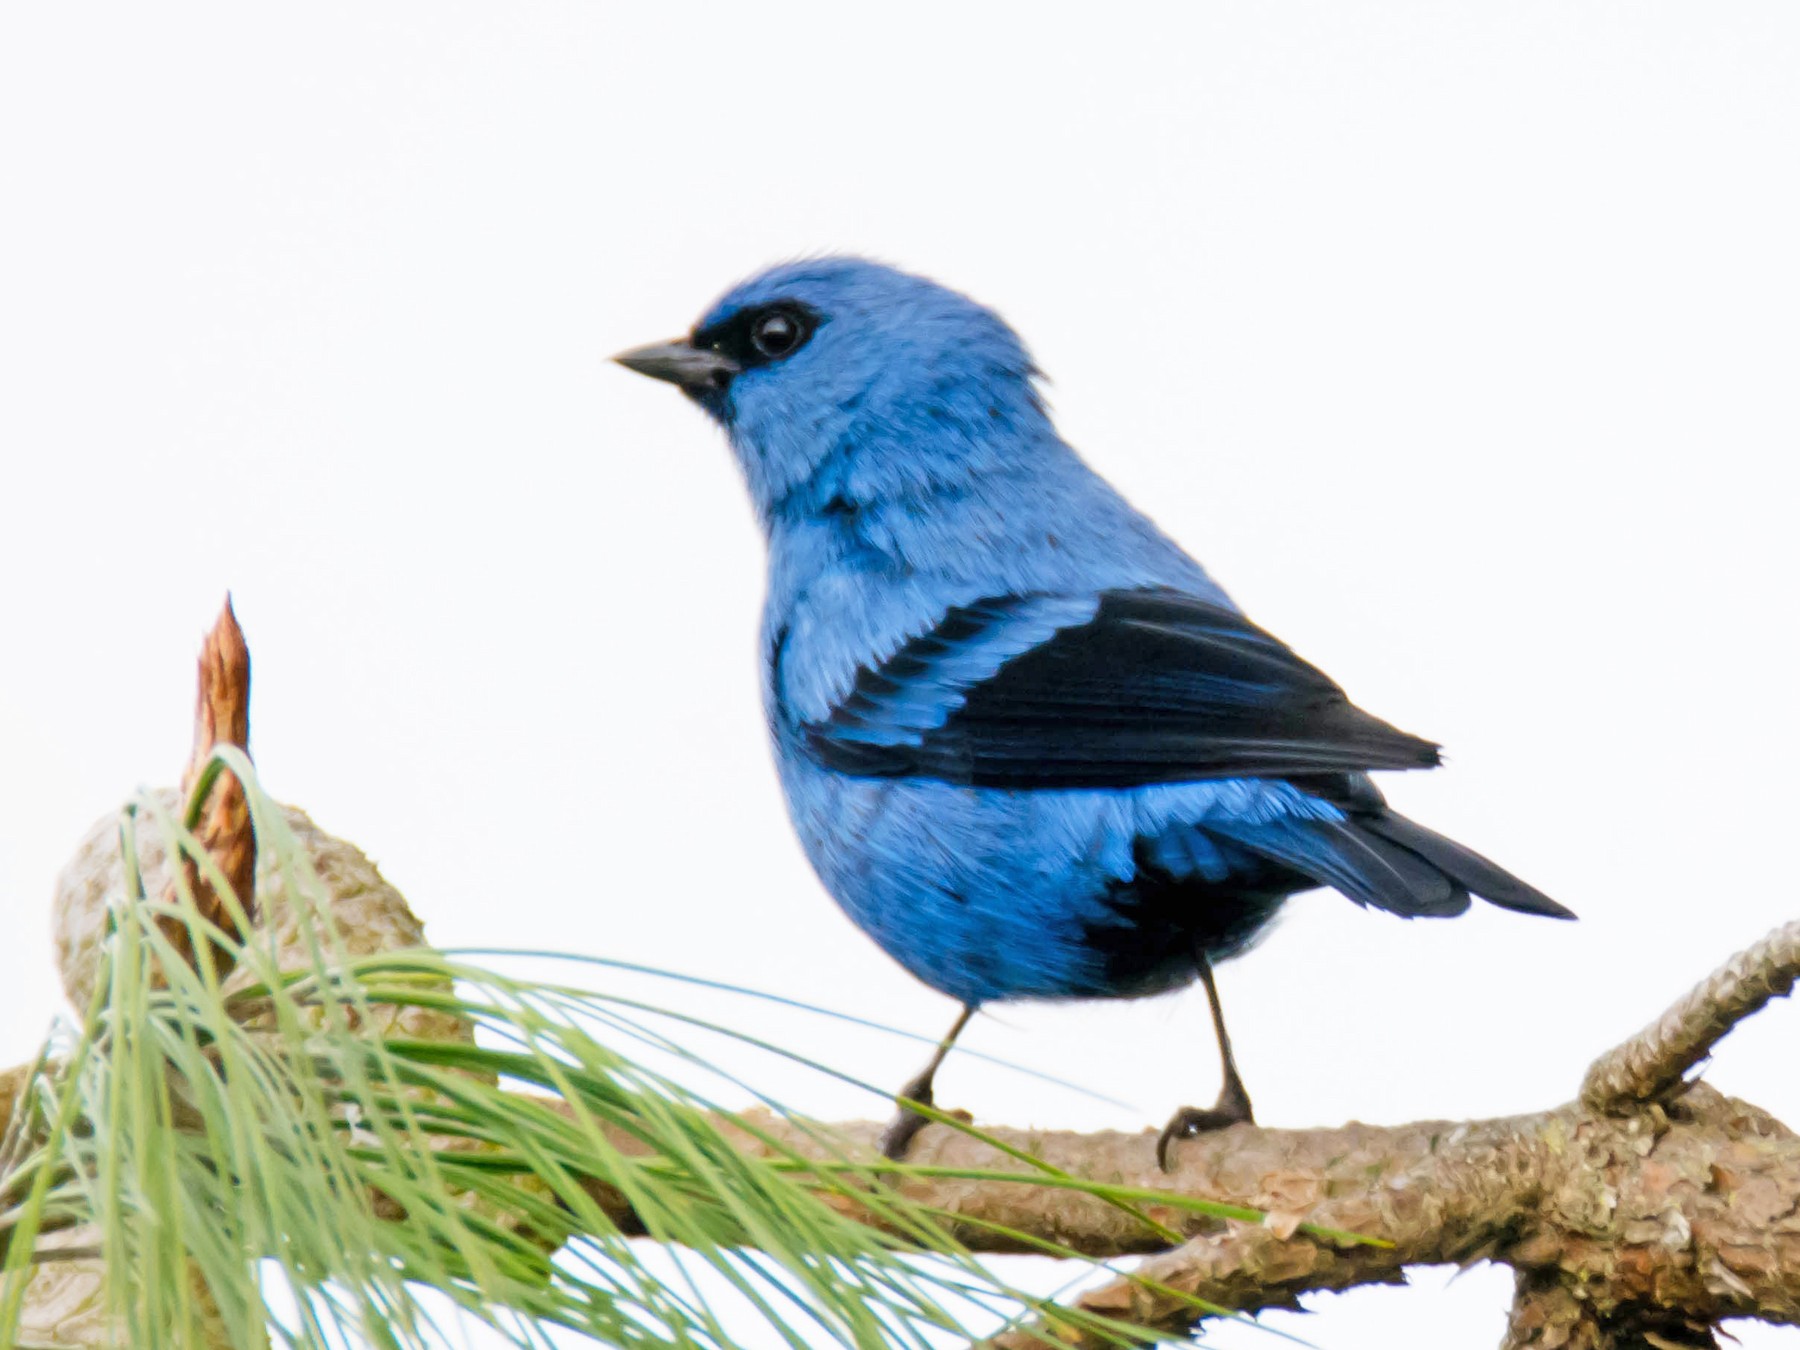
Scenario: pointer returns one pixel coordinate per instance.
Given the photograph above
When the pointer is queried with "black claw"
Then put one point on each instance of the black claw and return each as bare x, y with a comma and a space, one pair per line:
897, 1138
1232, 1108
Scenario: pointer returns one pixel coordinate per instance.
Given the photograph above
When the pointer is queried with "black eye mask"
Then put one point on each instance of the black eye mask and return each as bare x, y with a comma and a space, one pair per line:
760, 336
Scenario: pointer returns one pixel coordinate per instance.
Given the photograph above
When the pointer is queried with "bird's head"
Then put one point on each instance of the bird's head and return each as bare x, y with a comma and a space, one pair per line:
842, 379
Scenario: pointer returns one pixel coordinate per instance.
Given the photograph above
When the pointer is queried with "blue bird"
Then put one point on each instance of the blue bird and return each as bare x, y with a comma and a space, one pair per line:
1028, 744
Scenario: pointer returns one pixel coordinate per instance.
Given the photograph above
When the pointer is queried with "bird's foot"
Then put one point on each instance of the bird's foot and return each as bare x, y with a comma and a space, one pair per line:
897, 1138
1232, 1108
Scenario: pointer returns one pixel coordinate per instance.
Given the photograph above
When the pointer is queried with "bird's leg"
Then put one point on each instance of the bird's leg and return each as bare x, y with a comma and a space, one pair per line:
898, 1136
1233, 1106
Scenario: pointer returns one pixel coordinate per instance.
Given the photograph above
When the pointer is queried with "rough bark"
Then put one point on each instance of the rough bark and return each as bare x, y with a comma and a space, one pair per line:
1645, 1227
1641, 1214
1652, 1063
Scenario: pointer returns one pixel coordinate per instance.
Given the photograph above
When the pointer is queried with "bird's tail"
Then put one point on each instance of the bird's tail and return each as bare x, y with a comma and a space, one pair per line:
1464, 866
1386, 861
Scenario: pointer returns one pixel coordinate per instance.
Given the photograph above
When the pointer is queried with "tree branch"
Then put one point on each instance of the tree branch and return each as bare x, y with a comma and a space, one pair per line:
1641, 1214
1650, 1064
1654, 1218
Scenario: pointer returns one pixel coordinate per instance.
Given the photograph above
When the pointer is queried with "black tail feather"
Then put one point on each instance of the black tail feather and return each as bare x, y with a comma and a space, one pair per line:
1443, 896
1368, 869
1386, 861
1463, 865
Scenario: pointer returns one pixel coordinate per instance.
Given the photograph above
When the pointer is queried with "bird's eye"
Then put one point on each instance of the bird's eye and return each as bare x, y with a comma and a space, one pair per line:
778, 332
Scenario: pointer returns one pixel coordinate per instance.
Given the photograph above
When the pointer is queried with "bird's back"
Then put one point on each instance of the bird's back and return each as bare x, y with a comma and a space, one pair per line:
854, 575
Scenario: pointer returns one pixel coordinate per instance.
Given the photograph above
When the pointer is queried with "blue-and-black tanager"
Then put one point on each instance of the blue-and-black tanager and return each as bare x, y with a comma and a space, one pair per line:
1029, 745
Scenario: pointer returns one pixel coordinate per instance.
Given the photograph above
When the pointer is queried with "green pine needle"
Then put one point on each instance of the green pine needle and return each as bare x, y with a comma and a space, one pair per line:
259, 1169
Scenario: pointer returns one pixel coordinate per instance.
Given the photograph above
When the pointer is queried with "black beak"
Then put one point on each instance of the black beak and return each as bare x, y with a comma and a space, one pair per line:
695, 369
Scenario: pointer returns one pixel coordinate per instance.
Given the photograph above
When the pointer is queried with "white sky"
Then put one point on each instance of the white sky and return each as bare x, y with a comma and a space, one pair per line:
1458, 340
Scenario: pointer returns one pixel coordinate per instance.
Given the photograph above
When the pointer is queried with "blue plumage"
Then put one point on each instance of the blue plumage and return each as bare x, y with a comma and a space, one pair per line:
1028, 744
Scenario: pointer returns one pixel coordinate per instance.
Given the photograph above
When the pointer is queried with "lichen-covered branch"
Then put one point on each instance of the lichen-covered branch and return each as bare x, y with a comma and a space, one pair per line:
1653, 1219
1641, 1214
1679, 1211
1652, 1062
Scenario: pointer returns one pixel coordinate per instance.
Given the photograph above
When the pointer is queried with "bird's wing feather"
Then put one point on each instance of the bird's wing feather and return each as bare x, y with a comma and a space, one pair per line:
1122, 689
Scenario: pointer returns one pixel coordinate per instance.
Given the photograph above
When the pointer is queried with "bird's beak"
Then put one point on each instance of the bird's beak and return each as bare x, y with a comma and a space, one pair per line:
695, 369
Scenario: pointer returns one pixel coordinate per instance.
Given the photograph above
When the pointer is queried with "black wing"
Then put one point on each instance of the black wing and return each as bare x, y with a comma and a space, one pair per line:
1155, 687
